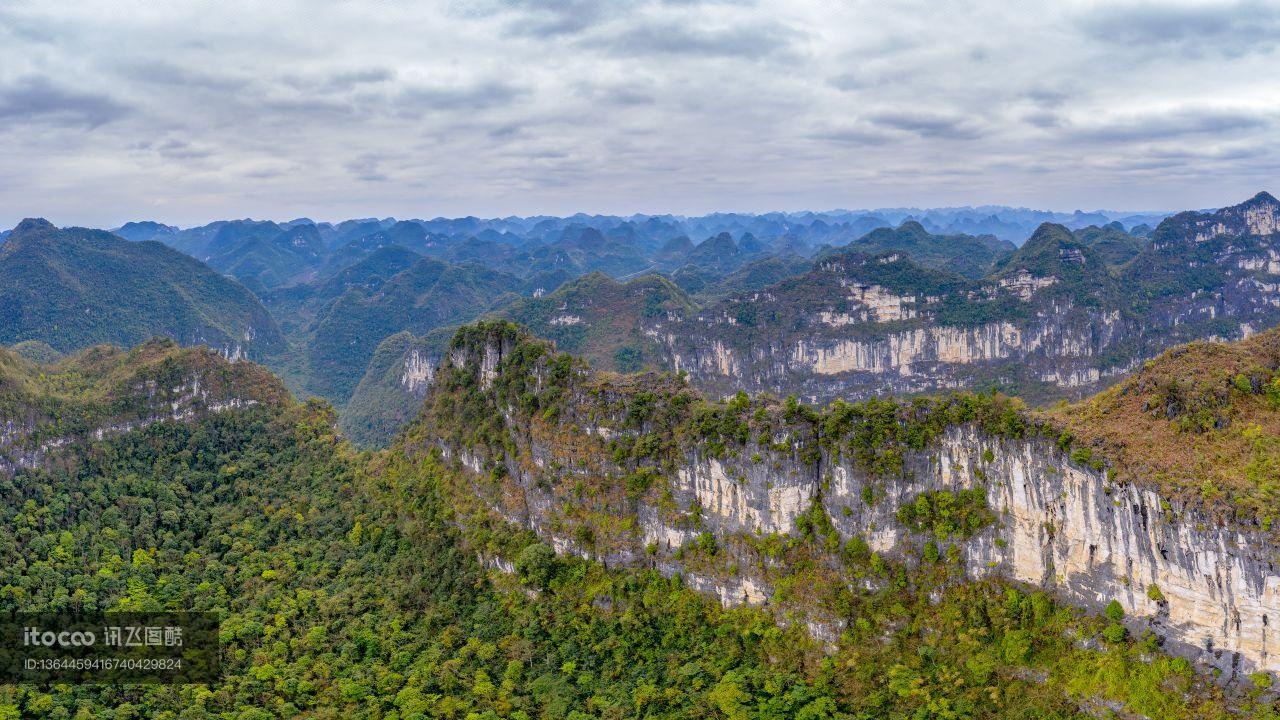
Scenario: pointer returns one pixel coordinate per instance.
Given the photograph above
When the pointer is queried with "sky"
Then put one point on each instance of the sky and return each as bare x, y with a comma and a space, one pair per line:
186, 112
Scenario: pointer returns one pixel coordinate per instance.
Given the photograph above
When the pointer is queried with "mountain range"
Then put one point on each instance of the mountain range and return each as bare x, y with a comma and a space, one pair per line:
1059, 317
766, 303
747, 481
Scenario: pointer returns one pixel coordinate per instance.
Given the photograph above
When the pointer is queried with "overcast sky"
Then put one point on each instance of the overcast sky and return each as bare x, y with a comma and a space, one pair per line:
191, 111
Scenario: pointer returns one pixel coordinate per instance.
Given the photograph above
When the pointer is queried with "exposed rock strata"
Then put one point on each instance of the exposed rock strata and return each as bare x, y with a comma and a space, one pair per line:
1060, 525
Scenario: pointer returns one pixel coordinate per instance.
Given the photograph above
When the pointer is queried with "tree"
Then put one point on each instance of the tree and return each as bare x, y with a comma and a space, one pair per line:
536, 564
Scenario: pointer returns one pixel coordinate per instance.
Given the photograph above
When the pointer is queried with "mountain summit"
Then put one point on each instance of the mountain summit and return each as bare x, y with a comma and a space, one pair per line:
1259, 216
31, 226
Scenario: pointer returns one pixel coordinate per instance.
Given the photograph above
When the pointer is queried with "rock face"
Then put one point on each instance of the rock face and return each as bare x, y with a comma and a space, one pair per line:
105, 392
1068, 528
418, 372
401, 371
1053, 319
1060, 317
1210, 592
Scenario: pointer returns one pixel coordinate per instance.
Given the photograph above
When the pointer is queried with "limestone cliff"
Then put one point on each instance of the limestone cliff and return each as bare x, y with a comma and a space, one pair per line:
104, 391
642, 470
1053, 320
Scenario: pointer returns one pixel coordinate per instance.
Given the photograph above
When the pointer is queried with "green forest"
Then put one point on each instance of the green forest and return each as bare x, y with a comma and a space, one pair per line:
359, 585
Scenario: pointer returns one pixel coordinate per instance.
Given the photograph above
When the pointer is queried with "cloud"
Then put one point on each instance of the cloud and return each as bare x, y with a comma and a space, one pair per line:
754, 41
25, 28
1171, 125
174, 149
417, 100
367, 168
1047, 97
1194, 29
38, 99
626, 96
853, 136
848, 81
531, 106
164, 72
555, 18
1043, 119
354, 78
926, 124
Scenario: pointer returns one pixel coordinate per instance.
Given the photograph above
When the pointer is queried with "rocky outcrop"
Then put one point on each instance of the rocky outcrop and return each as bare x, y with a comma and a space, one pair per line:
1210, 592
417, 373
103, 393
1257, 216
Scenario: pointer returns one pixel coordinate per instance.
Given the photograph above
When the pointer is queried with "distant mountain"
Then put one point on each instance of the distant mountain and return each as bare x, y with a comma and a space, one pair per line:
369, 273
594, 316
674, 252
581, 243
75, 287
719, 254
427, 295
601, 319
754, 275
1115, 246
219, 237
146, 230
1078, 272
968, 255
1059, 316
297, 306
408, 235
267, 256
693, 279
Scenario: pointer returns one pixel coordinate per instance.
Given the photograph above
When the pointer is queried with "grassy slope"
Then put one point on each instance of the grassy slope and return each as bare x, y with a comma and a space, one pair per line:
1202, 420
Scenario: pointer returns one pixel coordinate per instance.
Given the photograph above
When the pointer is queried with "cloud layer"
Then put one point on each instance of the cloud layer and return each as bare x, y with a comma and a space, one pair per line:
190, 111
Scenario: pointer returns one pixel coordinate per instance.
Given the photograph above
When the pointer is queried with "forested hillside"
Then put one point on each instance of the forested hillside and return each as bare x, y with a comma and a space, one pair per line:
344, 586
75, 287
377, 586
